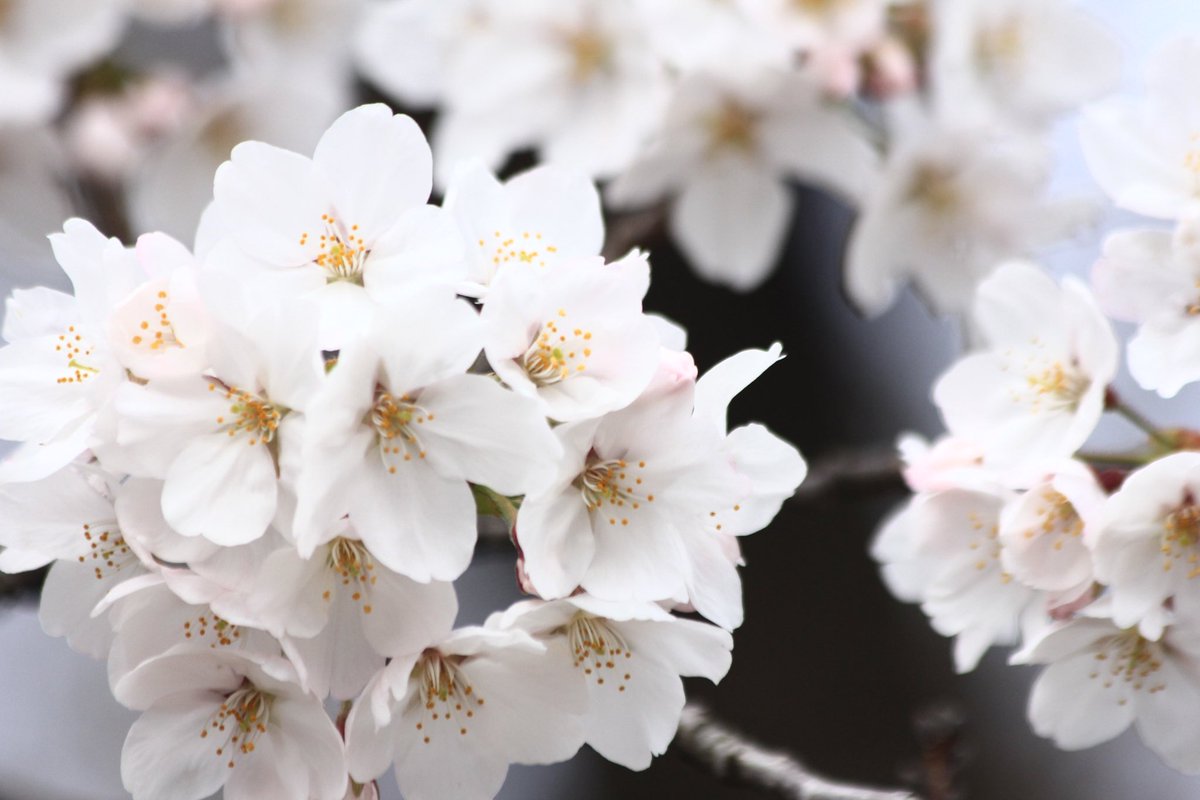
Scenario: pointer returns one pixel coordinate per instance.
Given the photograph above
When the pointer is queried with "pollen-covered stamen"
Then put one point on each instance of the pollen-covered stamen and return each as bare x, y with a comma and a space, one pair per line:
105, 549
396, 420
984, 540
1057, 518
445, 695
238, 723
1001, 43
343, 252
733, 126
354, 566
590, 53
600, 651
248, 413
157, 332
1180, 540
614, 487
212, 629
1049, 384
558, 352
527, 248
938, 188
75, 348
1129, 661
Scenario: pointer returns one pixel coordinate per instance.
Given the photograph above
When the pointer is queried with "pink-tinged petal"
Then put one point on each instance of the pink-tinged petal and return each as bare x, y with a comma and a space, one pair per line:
338, 661
487, 434
719, 385
36, 312
311, 734
560, 204
273, 769
222, 488
138, 508
267, 198
1078, 711
773, 468
41, 393
415, 521
51, 516
165, 757
451, 352
714, 587
555, 534
423, 248
33, 461
406, 616
100, 269
687, 647
638, 555
377, 165
69, 594
155, 681
633, 711
154, 423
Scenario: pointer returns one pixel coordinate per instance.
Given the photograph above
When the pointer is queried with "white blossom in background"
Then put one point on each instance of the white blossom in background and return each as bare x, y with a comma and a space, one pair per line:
42, 42
952, 203
1145, 154
1152, 277
1018, 62
725, 151
1035, 390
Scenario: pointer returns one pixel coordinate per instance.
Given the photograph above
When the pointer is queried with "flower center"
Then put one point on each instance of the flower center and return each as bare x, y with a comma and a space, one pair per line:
76, 349
163, 336
528, 248
613, 487
248, 413
242, 718
1000, 44
223, 633
1054, 386
935, 186
600, 650
557, 353
734, 127
354, 565
396, 420
1131, 660
1180, 537
106, 549
445, 695
589, 53
984, 541
342, 251
1058, 518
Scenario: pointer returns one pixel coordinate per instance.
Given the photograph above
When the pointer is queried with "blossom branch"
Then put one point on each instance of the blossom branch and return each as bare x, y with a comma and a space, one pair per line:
852, 468
731, 757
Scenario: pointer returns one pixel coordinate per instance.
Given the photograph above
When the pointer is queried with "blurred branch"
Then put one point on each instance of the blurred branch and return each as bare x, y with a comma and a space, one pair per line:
852, 469
636, 229
728, 755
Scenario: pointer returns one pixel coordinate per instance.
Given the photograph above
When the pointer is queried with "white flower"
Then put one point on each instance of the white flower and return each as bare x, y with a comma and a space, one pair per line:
952, 203
1145, 155
632, 499
41, 43
219, 720
400, 428
68, 519
631, 657
1022, 61
1150, 277
212, 437
725, 151
1102, 677
1045, 533
574, 337
943, 550
455, 714
348, 223
698, 34
340, 612
1037, 391
1146, 544
578, 81
539, 218
812, 25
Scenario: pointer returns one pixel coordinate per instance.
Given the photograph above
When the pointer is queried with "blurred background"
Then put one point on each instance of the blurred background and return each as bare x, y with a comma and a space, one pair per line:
828, 665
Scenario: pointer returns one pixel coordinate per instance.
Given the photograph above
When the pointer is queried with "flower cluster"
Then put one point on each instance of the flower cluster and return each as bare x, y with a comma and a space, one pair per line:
1016, 532
256, 468
712, 106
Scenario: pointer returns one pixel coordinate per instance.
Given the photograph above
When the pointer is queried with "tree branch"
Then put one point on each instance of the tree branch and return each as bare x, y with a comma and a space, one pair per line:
850, 469
720, 750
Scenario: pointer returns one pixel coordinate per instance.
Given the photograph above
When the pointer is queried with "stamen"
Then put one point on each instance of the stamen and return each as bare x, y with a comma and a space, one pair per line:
600, 650
445, 694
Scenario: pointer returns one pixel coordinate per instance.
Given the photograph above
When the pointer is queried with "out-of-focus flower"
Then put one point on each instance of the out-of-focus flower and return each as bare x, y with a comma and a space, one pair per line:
725, 152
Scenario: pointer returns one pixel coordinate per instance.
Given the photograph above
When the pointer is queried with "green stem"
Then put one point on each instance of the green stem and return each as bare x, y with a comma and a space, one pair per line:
1146, 425
1115, 459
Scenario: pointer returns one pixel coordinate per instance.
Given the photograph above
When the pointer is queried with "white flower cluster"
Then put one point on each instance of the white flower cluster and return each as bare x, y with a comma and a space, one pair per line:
257, 467
1016, 533
713, 106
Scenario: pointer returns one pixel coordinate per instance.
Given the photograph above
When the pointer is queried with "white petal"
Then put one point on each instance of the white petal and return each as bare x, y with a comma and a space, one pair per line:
221, 488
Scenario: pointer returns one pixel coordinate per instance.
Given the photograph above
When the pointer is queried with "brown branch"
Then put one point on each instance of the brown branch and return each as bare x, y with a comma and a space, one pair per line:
728, 755
634, 229
857, 469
